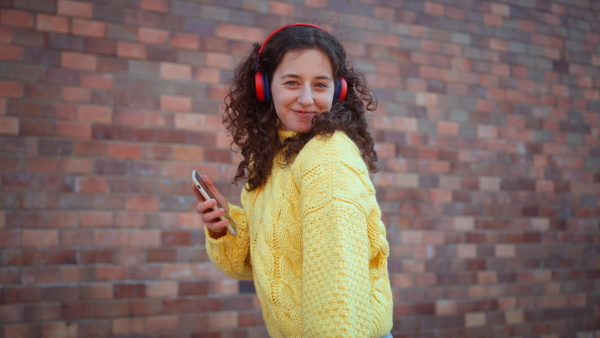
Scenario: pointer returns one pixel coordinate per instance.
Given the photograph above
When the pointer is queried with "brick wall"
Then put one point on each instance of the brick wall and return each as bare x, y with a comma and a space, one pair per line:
487, 131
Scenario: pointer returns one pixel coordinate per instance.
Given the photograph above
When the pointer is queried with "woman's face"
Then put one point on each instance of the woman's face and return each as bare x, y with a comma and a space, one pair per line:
302, 87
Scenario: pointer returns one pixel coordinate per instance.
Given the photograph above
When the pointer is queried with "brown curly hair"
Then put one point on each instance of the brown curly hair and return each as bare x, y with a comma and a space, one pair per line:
253, 124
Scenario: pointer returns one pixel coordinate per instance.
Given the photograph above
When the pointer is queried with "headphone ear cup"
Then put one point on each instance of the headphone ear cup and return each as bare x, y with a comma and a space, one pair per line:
261, 83
266, 88
258, 84
336, 92
341, 89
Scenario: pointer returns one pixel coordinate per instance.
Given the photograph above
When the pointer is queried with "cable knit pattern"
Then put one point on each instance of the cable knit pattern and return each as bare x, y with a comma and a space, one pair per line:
313, 241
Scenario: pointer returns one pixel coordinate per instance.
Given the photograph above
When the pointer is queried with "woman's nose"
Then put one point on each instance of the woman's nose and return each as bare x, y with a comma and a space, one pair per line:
305, 97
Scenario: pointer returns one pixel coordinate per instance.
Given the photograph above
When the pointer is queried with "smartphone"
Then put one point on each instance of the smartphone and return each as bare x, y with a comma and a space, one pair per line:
208, 194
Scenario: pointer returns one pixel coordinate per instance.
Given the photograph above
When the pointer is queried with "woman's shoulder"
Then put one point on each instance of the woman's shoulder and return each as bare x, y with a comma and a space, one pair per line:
339, 140
335, 147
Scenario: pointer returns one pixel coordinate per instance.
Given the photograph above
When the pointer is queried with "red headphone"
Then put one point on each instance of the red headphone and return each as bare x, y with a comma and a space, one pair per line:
261, 81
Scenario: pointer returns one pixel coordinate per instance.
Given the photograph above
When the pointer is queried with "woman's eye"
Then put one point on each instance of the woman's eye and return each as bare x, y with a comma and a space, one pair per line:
321, 85
292, 83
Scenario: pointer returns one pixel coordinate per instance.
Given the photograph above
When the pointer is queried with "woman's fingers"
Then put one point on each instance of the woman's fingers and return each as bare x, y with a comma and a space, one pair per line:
197, 193
208, 214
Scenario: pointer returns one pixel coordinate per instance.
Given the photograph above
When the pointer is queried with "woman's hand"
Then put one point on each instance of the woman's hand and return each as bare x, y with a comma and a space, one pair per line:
209, 214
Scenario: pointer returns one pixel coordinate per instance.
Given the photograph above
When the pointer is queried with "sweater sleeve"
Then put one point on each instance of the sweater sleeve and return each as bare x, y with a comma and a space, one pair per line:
231, 254
334, 208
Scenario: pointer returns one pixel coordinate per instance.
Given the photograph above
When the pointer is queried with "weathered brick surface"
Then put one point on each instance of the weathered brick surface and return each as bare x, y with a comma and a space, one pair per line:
487, 130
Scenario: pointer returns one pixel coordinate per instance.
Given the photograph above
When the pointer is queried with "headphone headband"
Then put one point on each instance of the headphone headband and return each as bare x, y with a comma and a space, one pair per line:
284, 27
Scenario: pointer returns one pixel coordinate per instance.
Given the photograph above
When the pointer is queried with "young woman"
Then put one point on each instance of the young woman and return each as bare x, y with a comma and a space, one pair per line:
309, 233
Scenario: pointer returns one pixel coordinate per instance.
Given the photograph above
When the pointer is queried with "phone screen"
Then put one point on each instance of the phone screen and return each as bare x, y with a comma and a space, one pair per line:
232, 227
206, 188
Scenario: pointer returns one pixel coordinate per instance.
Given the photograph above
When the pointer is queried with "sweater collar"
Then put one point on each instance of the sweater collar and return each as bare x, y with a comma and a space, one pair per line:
284, 134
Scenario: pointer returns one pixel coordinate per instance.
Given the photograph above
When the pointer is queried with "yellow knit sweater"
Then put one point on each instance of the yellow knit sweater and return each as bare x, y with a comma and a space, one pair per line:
314, 243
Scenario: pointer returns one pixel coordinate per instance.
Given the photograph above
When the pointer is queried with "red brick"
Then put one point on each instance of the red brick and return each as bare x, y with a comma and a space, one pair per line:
9, 125
97, 291
455, 13
475, 319
129, 290
278, 8
95, 328
144, 238
207, 75
500, 9
185, 41
129, 326
162, 323
44, 312
162, 289
223, 320
90, 28
11, 53
194, 322
448, 128
5, 33
11, 89
124, 150
107, 273
9, 276
112, 309
23, 330
97, 219
60, 293
219, 60
61, 111
94, 113
173, 71
161, 6
131, 50
224, 287
176, 238
25, 109
90, 148
111, 238
132, 256
492, 20
101, 47
236, 32
76, 238
10, 239
52, 23
46, 238
250, 319
76, 165
78, 61
434, 9
60, 330
76, 94
95, 80
22, 294
42, 92
153, 35
74, 130
74, 274
17, 18
142, 203
71, 311
130, 220
175, 103
75, 8
112, 65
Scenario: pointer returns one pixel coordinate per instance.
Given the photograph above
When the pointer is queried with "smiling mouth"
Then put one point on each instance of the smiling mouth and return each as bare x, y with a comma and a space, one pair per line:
303, 113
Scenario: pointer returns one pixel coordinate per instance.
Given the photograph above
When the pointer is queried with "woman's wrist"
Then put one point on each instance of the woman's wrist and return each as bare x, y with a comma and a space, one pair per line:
216, 235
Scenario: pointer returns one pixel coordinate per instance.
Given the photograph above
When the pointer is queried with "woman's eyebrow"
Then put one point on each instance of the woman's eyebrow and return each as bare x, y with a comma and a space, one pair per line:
295, 76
